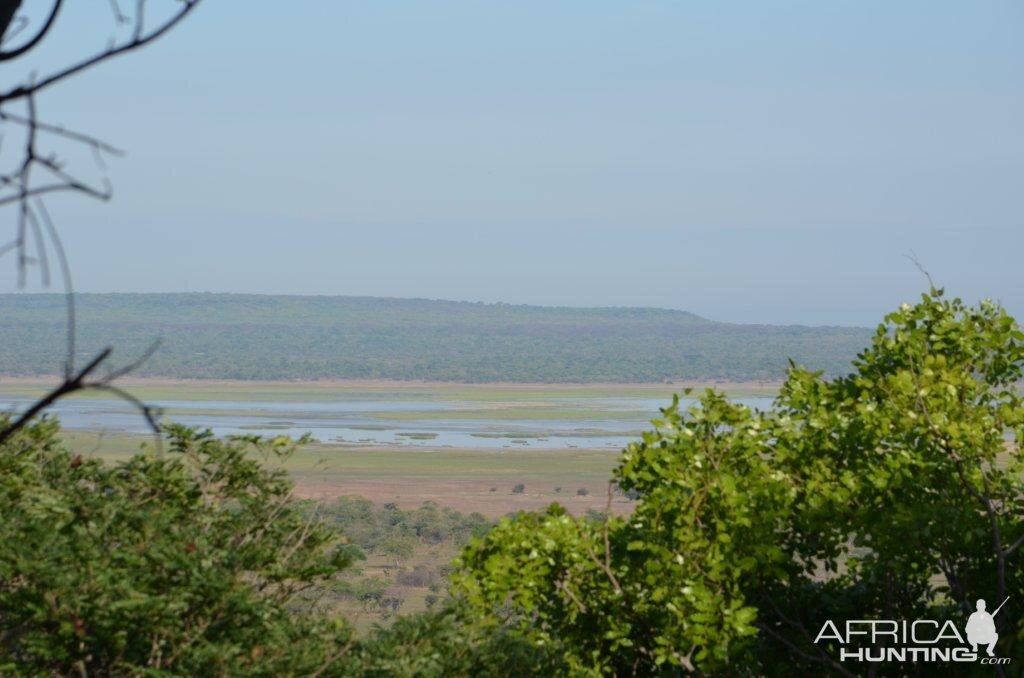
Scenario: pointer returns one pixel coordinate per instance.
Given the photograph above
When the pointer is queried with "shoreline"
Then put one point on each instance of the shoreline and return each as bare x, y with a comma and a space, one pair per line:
164, 382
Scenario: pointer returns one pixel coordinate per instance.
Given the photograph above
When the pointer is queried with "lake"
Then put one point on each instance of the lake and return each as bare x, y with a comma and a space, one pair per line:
583, 421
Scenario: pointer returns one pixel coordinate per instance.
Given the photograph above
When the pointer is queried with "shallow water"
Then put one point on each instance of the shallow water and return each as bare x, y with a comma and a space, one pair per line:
609, 422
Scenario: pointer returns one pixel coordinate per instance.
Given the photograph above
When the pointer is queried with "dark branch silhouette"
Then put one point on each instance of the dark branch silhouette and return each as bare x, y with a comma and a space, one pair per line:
15, 53
38, 173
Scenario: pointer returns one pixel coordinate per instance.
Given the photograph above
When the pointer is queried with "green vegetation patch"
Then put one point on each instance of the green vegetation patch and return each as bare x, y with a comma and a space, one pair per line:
255, 337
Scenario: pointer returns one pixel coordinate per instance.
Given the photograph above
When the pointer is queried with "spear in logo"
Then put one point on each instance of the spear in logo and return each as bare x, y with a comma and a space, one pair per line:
996, 611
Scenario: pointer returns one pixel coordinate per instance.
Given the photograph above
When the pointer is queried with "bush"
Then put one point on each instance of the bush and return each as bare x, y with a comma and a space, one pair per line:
418, 576
582, 492
519, 488
396, 532
444, 642
186, 562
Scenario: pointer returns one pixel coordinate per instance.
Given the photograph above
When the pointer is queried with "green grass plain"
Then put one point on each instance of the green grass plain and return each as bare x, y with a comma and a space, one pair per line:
465, 479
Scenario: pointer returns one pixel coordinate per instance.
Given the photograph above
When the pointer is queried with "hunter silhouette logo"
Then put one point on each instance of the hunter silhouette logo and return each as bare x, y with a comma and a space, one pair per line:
981, 628
919, 640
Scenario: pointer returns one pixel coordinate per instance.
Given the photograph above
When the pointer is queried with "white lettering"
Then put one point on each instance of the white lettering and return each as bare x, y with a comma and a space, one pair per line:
913, 631
955, 633
855, 655
876, 631
835, 632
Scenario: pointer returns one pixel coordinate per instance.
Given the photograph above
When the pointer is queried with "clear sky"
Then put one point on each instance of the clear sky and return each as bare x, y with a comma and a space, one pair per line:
747, 161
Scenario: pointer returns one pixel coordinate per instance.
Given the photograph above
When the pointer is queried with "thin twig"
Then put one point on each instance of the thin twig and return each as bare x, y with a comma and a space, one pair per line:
32, 214
15, 53
69, 290
22, 91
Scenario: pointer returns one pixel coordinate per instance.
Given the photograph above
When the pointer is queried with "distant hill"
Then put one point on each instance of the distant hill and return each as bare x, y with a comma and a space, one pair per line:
242, 336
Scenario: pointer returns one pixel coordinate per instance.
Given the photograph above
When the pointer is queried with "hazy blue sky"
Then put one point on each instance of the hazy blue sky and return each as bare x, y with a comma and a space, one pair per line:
748, 161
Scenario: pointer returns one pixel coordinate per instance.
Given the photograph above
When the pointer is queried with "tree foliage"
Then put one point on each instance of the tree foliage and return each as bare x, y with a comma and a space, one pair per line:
187, 562
238, 336
374, 529
446, 643
894, 492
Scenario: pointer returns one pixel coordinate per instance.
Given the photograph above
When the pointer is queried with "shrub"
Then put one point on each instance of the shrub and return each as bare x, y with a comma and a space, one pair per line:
519, 488
186, 562
582, 492
396, 532
418, 576
444, 642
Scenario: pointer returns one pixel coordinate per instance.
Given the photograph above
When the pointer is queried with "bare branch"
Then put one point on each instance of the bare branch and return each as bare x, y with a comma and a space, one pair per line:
150, 413
64, 132
912, 257
119, 16
104, 195
1014, 546
109, 53
7, 11
69, 290
33, 217
564, 588
37, 232
67, 386
135, 364
15, 53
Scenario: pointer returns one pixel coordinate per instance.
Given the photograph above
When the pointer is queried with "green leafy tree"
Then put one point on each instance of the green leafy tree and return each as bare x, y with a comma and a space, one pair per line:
909, 472
445, 643
661, 587
893, 492
189, 563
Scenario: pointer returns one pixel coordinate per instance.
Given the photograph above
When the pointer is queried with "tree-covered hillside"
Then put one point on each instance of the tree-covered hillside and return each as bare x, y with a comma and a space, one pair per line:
235, 336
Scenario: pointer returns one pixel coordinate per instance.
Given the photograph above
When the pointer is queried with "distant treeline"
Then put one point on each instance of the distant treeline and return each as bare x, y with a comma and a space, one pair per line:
241, 336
